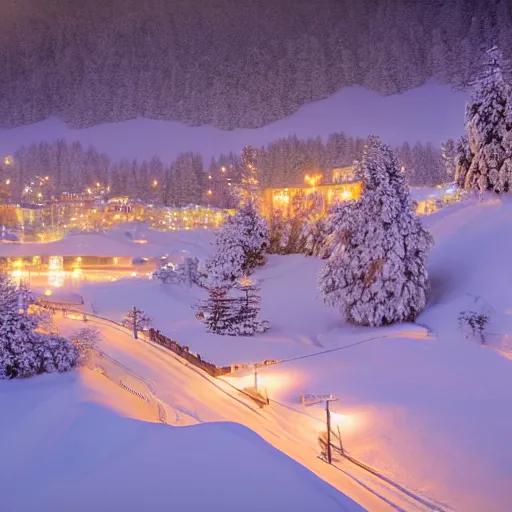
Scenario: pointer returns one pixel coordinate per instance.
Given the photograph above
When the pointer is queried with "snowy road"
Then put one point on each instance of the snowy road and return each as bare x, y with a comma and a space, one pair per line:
189, 396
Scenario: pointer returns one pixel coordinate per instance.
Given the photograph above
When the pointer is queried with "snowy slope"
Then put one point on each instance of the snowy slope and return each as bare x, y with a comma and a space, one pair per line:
430, 412
62, 450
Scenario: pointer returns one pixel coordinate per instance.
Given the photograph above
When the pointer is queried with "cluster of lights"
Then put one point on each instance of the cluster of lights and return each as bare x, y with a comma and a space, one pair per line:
313, 180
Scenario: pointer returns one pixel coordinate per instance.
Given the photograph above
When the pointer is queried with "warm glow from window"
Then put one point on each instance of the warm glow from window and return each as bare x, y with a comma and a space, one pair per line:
312, 180
346, 195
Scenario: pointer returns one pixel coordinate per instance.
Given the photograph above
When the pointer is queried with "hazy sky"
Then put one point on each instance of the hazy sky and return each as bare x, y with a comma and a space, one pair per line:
431, 113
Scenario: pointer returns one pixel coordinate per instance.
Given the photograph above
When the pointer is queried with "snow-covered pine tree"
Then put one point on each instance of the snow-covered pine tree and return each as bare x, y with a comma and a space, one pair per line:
463, 159
247, 321
240, 245
23, 351
226, 262
449, 155
279, 229
250, 173
377, 275
331, 229
188, 272
488, 131
219, 309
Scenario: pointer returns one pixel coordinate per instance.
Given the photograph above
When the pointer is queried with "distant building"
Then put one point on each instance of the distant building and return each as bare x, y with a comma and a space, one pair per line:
342, 185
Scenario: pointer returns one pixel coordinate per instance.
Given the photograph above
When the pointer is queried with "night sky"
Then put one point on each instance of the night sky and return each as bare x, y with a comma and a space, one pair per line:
431, 113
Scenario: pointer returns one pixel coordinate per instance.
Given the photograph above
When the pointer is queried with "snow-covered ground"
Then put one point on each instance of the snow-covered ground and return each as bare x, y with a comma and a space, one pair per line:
430, 411
63, 448
118, 241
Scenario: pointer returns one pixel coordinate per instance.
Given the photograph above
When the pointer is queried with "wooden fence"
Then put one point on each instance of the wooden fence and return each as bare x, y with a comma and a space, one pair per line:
184, 352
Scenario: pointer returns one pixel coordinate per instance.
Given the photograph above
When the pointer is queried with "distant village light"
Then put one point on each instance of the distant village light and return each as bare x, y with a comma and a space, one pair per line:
155, 183
7, 182
312, 180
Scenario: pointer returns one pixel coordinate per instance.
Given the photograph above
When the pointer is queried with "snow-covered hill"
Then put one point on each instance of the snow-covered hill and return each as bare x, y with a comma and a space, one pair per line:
424, 404
64, 448
427, 410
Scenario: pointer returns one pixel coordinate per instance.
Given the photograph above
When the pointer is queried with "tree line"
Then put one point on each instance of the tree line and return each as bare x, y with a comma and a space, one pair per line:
73, 168
229, 63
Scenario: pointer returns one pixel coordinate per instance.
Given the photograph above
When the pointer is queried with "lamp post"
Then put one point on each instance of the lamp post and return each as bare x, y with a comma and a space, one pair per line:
328, 421
308, 400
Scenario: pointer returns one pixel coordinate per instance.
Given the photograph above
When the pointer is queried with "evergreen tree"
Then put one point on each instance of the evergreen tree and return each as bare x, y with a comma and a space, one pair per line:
247, 322
250, 174
377, 273
232, 309
219, 310
488, 131
240, 245
23, 350
188, 272
449, 154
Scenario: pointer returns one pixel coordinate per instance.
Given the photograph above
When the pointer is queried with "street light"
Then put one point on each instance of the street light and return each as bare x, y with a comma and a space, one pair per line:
308, 400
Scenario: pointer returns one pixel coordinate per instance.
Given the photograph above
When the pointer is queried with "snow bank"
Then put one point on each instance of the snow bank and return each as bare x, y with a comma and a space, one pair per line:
61, 450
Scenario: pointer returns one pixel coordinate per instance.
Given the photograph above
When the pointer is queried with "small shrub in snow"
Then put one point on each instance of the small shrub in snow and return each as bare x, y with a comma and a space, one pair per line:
25, 352
54, 353
86, 341
188, 272
477, 322
137, 320
166, 273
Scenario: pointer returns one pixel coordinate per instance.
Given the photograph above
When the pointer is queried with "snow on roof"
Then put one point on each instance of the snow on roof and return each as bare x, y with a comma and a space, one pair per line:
82, 245
116, 243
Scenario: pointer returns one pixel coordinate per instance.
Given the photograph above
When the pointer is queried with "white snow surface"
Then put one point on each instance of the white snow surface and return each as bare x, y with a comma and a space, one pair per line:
63, 448
425, 404
116, 243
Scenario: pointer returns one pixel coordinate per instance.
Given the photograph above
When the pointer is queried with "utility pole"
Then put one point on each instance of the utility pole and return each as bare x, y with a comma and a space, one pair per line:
256, 377
328, 414
134, 311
